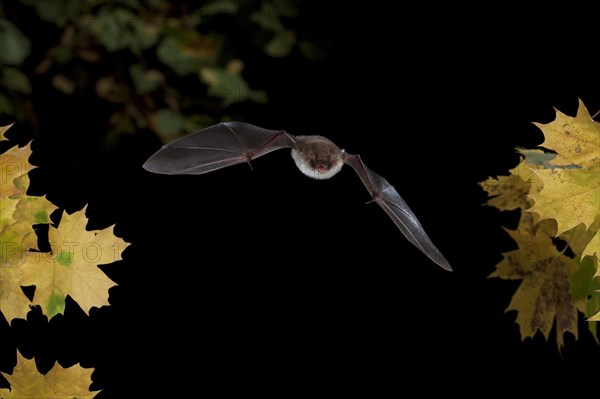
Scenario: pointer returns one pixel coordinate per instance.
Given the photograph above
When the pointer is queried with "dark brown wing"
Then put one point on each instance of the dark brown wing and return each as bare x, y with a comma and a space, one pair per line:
388, 198
216, 147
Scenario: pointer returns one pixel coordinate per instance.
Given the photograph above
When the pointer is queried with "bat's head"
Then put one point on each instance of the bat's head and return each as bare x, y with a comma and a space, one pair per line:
317, 157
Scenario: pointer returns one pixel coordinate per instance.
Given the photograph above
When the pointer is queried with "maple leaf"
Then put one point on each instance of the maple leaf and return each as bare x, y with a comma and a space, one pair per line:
560, 193
15, 240
575, 140
26, 382
571, 196
3, 130
543, 296
14, 164
13, 302
72, 269
508, 193
18, 213
579, 237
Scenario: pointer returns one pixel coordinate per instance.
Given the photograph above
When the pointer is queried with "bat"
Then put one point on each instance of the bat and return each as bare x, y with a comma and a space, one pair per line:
317, 157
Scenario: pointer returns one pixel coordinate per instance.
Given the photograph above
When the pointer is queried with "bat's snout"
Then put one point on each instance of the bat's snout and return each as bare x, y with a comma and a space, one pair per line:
321, 167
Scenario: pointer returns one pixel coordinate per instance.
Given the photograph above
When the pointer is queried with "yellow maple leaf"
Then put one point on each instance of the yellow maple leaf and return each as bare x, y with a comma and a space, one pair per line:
593, 248
18, 213
16, 240
575, 140
543, 297
18, 236
571, 196
580, 236
14, 164
27, 382
13, 302
7, 209
3, 130
72, 268
508, 193
585, 242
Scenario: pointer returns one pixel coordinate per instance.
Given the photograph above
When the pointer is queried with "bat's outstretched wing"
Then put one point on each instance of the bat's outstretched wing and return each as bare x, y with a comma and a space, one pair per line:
388, 198
216, 147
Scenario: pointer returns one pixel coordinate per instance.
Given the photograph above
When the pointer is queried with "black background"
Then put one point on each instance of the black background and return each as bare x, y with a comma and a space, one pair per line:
265, 282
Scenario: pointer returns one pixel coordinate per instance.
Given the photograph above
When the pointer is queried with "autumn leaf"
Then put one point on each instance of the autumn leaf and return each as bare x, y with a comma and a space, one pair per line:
26, 382
72, 267
508, 193
3, 130
13, 164
13, 302
593, 248
571, 196
18, 213
575, 140
543, 297
560, 194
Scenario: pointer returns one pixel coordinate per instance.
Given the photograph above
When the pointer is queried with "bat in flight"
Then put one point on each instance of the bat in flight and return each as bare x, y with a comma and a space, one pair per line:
231, 143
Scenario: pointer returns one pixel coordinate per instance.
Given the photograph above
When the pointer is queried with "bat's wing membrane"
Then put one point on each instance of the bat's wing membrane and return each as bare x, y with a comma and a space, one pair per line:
216, 147
388, 198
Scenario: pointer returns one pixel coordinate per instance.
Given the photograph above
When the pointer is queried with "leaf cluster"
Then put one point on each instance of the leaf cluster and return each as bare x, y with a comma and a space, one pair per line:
69, 268
556, 189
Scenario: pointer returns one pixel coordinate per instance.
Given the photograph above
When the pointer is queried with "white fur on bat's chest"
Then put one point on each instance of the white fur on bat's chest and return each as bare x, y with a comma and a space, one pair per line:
311, 172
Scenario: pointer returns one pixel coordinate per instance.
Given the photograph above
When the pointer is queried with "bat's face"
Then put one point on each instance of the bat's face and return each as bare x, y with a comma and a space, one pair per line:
317, 157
